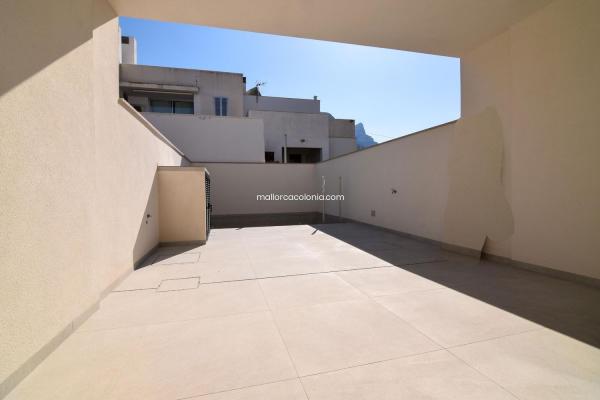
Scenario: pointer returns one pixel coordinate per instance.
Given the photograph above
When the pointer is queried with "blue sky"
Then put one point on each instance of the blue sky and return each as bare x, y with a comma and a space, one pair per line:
391, 92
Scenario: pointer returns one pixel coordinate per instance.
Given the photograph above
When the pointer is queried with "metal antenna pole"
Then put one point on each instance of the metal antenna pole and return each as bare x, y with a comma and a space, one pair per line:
323, 193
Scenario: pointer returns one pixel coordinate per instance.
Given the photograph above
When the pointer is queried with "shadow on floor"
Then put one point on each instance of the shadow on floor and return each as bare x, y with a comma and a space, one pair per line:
566, 307
273, 219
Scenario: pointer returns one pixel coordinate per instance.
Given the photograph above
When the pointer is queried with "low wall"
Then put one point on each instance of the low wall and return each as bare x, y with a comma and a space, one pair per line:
138, 192
234, 187
414, 166
182, 211
213, 139
78, 176
284, 104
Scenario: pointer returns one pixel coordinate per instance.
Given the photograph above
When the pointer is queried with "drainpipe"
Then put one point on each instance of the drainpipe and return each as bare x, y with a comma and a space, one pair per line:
285, 148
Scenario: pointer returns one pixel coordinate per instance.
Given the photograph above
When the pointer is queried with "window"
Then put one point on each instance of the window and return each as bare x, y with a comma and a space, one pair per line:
269, 156
161, 106
172, 106
221, 106
183, 107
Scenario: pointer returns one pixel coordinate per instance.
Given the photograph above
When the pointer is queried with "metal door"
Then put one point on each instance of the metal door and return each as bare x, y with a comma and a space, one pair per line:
208, 203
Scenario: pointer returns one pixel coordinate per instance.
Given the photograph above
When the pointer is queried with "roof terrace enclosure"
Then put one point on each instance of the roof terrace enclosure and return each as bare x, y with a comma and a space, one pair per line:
78, 168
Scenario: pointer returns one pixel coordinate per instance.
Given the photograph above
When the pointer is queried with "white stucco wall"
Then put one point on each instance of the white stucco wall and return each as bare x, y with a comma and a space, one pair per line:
182, 203
211, 84
340, 146
341, 128
416, 166
213, 139
129, 51
283, 104
234, 187
312, 128
342, 137
541, 77
77, 172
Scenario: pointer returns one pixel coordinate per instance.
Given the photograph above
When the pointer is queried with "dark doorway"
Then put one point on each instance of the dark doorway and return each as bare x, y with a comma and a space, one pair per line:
301, 155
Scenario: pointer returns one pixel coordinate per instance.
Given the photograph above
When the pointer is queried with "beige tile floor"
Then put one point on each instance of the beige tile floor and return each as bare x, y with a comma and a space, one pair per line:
341, 311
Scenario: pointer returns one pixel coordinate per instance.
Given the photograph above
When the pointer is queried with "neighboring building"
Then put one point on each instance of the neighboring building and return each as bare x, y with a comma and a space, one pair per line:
342, 138
128, 50
210, 116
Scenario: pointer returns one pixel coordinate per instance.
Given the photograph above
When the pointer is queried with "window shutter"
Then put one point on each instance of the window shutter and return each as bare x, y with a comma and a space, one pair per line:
217, 106
224, 106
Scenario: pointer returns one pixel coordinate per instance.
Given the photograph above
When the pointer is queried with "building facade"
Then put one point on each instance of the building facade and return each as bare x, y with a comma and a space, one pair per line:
213, 118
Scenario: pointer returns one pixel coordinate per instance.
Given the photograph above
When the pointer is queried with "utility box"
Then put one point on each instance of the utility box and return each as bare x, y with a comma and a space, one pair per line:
184, 205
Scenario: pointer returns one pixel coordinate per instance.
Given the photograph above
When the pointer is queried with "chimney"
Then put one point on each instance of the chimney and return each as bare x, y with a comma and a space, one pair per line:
128, 50
315, 98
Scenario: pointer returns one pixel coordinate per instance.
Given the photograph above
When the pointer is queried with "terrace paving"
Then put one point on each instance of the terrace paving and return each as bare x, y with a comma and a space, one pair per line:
339, 311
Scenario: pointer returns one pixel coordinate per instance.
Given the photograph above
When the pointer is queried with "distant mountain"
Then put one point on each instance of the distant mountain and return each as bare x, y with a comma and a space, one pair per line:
363, 140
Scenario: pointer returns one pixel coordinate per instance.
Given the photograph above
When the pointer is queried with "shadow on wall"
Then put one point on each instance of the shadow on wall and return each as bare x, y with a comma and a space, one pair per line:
566, 307
35, 34
477, 208
148, 234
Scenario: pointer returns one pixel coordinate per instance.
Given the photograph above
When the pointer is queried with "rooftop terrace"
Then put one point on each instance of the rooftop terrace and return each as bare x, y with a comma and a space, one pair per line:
339, 311
333, 311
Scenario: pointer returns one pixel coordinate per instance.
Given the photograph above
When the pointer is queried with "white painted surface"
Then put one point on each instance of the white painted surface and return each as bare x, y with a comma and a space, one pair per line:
283, 104
341, 128
129, 51
303, 130
213, 139
234, 187
541, 76
477, 208
182, 202
341, 146
77, 171
438, 27
90, 166
415, 166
